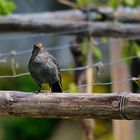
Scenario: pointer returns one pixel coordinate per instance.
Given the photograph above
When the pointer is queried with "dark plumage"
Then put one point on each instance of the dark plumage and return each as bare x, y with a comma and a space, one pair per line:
44, 68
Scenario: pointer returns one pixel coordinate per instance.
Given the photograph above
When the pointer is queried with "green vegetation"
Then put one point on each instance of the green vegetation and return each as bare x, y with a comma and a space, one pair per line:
6, 7
28, 128
131, 48
112, 3
24, 128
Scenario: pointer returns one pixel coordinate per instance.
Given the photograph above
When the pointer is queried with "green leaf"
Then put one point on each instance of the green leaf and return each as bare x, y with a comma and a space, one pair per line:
127, 51
114, 3
6, 7
130, 49
84, 49
137, 48
130, 2
85, 46
97, 52
80, 3
84, 3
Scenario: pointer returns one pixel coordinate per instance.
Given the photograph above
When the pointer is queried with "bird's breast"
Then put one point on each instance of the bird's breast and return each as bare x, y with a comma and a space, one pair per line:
43, 71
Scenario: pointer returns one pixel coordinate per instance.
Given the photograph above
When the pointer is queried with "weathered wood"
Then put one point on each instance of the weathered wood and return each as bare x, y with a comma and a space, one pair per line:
80, 78
89, 123
67, 24
122, 129
89, 71
103, 106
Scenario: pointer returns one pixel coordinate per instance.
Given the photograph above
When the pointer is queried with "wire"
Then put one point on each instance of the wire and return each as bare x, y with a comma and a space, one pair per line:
55, 48
14, 76
122, 106
74, 69
13, 37
120, 60
29, 51
66, 32
105, 84
83, 68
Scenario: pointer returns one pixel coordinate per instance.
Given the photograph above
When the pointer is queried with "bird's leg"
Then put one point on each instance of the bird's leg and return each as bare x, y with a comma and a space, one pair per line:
39, 85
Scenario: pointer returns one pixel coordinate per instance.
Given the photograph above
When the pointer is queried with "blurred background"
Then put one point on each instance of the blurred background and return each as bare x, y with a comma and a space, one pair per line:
13, 63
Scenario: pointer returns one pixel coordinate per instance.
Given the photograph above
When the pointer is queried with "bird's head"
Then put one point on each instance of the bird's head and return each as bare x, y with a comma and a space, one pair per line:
38, 47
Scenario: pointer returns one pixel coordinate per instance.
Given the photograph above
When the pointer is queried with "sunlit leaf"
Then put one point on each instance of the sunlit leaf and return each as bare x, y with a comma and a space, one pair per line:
127, 51
6, 7
137, 47
84, 3
97, 52
130, 2
114, 3
85, 47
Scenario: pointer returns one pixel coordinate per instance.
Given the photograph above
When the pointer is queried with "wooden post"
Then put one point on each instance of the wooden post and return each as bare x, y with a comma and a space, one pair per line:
89, 123
123, 130
89, 71
80, 78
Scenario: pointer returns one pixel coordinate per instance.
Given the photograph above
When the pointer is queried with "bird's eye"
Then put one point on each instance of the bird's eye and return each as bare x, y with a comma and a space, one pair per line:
36, 47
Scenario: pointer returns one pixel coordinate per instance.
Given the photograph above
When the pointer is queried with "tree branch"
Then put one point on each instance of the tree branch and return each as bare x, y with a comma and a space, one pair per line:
65, 105
66, 23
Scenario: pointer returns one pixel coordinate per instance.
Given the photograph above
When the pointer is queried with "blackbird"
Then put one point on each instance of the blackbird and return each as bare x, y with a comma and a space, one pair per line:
44, 68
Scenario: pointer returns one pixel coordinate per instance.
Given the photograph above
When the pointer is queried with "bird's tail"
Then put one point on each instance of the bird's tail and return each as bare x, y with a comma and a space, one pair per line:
56, 87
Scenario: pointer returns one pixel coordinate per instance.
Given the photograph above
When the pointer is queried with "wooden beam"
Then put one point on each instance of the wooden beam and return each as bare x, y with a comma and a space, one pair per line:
67, 24
66, 105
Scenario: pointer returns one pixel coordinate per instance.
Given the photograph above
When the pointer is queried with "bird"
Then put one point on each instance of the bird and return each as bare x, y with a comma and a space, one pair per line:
44, 68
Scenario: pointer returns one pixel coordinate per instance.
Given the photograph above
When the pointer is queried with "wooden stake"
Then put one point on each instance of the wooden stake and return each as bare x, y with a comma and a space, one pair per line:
89, 71
89, 123
122, 129
80, 78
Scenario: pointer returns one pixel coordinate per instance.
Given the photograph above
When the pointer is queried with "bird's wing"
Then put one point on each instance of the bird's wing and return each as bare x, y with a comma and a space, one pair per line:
54, 61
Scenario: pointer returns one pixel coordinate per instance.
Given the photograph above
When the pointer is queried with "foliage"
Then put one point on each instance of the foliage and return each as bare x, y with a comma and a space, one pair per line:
131, 48
27, 128
112, 3
23, 128
95, 50
83, 3
6, 7
102, 129
115, 3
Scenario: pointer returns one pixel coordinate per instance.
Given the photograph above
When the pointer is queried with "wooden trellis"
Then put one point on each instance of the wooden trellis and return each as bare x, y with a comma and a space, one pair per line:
79, 105
45, 105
